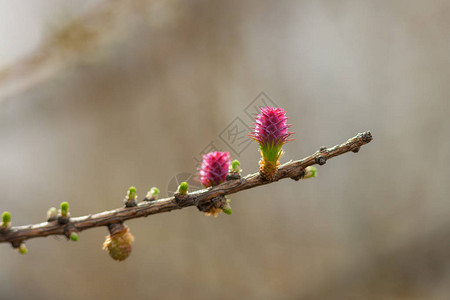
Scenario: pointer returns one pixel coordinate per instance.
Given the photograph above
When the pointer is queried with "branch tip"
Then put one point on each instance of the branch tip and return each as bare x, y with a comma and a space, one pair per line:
366, 136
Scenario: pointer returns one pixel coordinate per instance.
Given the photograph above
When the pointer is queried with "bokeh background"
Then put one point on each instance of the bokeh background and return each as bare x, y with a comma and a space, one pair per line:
96, 96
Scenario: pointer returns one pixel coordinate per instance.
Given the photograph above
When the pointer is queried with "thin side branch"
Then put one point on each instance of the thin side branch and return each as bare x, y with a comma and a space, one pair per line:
293, 169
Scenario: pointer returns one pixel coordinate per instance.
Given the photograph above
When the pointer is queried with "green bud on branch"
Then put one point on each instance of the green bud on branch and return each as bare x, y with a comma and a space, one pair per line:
64, 209
6, 219
130, 198
74, 236
226, 208
183, 188
236, 166
152, 194
310, 172
132, 193
22, 249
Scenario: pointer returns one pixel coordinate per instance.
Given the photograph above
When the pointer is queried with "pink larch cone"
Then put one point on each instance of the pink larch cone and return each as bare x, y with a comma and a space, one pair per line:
214, 168
213, 171
271, 132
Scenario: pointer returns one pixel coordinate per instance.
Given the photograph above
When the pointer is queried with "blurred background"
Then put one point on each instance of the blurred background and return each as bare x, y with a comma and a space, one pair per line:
96, 96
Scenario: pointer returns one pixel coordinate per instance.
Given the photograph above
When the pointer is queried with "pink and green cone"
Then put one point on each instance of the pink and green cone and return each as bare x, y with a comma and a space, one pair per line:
271, 132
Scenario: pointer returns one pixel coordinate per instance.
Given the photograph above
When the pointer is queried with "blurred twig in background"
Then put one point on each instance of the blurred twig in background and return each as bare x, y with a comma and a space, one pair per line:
79, 39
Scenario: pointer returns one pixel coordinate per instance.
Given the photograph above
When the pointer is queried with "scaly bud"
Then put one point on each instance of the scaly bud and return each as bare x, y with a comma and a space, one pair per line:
183, 188
152, 194
213, 212
214, 206
271, 132
118, 243
310, 172
52, 214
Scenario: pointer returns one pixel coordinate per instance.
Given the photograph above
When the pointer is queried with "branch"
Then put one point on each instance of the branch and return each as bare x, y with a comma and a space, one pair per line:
292, 169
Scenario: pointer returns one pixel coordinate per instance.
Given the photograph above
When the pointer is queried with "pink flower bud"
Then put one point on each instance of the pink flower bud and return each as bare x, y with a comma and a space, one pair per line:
214, 168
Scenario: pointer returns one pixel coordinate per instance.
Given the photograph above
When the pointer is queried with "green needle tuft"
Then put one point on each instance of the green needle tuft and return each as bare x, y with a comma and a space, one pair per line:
236, 166
64, 209
183, 188
22, 249
6, 218
74, 236
132, 193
